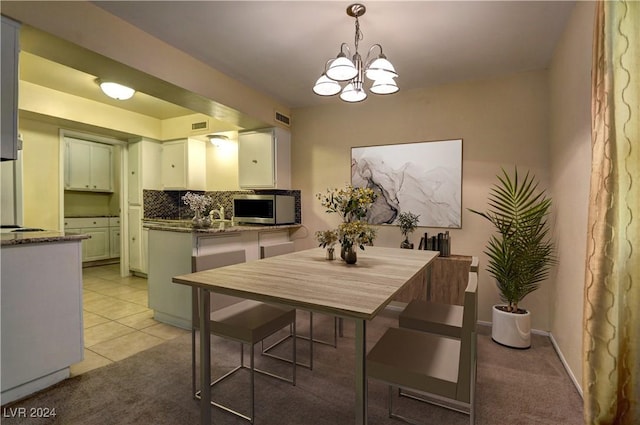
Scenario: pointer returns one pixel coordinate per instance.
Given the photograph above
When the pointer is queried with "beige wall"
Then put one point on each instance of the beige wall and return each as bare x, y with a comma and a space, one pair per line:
570, 110
503, 122
41, 171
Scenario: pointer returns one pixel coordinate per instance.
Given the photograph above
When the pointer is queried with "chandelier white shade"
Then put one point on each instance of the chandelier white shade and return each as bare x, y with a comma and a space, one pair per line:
352, 71
116, 91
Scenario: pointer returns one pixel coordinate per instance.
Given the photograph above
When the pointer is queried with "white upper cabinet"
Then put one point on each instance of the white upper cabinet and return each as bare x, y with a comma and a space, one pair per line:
88, 166
144, 168
184, 164
9, 100
264, 159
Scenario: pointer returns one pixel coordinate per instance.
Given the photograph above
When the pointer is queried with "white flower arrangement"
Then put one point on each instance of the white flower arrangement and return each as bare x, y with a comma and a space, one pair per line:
198, 203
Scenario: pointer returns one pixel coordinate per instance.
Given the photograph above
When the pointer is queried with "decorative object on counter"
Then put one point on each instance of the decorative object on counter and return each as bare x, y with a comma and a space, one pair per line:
352, 204
327, 239
408, 223
219, 212
520, 252
198, 204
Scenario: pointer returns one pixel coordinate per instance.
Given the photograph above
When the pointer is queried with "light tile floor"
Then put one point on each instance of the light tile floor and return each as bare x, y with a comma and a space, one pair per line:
117, 320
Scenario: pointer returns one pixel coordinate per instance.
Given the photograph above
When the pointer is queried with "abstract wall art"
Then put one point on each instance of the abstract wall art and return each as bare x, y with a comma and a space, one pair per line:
423, 178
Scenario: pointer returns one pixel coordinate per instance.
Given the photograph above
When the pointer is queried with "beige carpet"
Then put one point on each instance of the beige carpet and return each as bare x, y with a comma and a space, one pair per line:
153, 387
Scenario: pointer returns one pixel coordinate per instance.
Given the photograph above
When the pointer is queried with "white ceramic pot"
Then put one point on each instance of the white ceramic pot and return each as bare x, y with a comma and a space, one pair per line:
510, 329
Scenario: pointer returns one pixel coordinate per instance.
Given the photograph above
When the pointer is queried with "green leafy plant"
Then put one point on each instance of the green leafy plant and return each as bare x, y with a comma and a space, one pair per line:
520, 252
407, 222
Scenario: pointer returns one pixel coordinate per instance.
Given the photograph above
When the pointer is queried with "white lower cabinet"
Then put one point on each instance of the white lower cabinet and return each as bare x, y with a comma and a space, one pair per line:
41, 308
97, 247
105, 236
114, 242
170, 255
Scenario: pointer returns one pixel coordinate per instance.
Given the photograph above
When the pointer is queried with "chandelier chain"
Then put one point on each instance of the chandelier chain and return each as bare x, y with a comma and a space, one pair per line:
359, 36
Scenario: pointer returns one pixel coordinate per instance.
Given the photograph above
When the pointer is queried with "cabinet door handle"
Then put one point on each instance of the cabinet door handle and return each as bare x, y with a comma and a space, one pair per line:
133, 172
86, 185
133, 238
255, 161
173, 166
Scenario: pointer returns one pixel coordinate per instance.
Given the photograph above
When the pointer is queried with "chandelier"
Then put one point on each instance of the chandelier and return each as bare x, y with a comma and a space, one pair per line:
352, 71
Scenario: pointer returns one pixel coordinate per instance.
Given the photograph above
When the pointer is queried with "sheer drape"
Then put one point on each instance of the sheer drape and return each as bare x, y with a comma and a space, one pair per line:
611, 379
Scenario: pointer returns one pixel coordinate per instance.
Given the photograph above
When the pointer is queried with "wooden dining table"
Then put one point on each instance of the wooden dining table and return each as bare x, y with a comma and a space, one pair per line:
306, 280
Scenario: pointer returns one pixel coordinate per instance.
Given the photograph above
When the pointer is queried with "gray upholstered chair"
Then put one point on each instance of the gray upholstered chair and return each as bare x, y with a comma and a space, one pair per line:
237, 319
437, 318
273, 250
428, 367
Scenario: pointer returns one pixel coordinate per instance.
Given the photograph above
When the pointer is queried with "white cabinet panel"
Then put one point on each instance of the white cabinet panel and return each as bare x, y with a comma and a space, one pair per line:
264, 159
100, 245
88, 166
184, 165
136, 246
144, 162
96, 248
114, 242
9, 100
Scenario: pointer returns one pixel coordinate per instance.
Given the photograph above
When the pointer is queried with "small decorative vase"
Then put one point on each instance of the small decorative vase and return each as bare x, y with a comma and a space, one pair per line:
406, 244
330, 252
200, 222
350, 256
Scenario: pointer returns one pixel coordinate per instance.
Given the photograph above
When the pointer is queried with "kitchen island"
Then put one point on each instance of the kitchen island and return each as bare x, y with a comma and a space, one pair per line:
172, 243
41, 316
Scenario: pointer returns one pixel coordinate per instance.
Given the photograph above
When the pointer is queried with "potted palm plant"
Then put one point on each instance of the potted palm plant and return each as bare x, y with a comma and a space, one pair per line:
520, 252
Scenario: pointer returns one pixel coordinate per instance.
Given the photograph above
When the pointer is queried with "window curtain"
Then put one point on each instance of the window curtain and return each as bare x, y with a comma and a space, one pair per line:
611, 378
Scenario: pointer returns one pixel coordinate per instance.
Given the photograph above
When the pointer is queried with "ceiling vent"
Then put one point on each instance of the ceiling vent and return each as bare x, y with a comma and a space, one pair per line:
199, 126
283, 119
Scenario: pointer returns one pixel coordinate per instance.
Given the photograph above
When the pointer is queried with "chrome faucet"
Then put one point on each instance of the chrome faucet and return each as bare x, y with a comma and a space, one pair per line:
219, 212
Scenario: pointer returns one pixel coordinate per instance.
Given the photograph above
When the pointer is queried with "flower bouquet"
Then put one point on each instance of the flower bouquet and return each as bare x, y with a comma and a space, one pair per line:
198, 204
327, 239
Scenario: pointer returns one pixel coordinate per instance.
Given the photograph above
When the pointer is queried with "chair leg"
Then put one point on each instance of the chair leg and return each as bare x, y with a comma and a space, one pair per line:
311, 340
253, 372
390, 401
193, 363
294, 355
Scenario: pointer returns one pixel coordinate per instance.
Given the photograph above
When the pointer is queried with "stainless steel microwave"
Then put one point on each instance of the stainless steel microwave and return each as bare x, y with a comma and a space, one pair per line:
264, 209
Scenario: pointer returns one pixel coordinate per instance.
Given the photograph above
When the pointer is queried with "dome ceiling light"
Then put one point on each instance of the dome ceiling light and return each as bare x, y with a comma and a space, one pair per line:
115, 90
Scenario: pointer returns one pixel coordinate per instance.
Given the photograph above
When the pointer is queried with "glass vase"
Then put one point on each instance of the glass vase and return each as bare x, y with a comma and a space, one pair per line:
350, 255
200, 222
330, 253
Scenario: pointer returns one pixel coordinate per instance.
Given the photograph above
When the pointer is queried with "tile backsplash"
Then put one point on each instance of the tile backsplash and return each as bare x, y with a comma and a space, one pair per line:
168, 204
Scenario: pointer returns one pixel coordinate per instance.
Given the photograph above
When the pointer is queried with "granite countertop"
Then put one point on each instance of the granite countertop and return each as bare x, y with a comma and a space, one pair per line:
184, 226
45, 236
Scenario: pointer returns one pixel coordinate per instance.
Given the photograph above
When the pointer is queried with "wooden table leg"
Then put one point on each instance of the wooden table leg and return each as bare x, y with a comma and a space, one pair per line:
361, 372
205, 357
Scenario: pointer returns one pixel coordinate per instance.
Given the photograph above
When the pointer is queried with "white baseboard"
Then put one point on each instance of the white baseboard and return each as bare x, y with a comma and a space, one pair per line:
576, 383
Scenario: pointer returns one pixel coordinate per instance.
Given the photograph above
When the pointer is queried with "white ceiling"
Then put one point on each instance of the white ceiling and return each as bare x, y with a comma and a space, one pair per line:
280, 47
